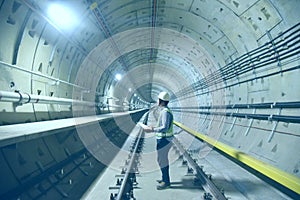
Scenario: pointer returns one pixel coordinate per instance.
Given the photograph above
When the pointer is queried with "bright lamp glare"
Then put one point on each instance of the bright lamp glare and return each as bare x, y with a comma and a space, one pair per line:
62, 16
118, 77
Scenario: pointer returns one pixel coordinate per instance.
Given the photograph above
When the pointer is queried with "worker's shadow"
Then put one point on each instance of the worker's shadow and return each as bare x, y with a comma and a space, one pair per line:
188, 183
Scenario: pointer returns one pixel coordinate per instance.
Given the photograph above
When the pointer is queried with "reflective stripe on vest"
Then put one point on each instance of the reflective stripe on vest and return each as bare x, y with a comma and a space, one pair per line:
169, 133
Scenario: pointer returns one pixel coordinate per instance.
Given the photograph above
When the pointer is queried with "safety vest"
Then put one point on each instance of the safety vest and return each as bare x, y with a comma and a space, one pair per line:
169, 133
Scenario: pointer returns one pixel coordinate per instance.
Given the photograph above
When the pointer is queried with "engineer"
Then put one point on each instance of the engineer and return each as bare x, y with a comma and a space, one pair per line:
164, 135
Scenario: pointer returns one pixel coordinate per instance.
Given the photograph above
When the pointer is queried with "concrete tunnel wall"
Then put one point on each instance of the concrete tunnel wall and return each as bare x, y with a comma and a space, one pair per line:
38, 59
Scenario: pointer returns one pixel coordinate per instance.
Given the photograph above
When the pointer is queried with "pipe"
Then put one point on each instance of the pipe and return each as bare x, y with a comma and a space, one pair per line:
268, 117
292, 104
237, 83
255, 59
23, 98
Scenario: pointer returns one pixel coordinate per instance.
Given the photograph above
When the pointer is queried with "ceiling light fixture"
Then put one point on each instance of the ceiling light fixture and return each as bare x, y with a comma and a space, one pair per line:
62, 16
118, 77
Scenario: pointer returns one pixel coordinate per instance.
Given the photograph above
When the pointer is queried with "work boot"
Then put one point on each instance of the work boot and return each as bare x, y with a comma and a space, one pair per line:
163, 186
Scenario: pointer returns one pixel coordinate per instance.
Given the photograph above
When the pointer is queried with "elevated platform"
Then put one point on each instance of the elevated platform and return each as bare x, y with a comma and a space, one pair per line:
10, 134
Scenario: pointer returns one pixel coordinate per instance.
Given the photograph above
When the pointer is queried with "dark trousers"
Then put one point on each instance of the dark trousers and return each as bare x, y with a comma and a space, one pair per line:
163, 146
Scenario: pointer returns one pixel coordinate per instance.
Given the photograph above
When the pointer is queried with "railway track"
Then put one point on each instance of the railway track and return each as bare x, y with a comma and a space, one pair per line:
126, 182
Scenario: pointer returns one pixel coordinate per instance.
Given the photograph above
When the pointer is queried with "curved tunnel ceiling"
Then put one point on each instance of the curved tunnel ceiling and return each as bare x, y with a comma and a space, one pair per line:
181, 22
198, 62
185, 57
199, 21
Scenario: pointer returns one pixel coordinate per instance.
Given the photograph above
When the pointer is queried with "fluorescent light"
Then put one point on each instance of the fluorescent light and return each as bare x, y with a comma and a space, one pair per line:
118, 77
62, 16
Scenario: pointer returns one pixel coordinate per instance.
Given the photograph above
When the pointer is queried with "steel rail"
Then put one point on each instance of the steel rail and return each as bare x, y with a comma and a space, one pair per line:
206, 183
126, 188
285, 179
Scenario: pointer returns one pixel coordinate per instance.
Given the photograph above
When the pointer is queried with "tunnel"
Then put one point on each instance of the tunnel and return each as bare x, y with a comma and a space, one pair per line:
77, 77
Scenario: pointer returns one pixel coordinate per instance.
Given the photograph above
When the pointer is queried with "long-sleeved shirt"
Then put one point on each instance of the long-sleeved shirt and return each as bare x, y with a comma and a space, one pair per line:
165, 121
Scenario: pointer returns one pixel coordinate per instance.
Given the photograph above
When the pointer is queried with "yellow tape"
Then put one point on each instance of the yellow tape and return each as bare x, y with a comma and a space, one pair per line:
288, 180
93, 6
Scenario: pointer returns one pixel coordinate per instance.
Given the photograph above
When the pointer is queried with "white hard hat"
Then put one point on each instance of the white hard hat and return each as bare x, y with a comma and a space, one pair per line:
164, 96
